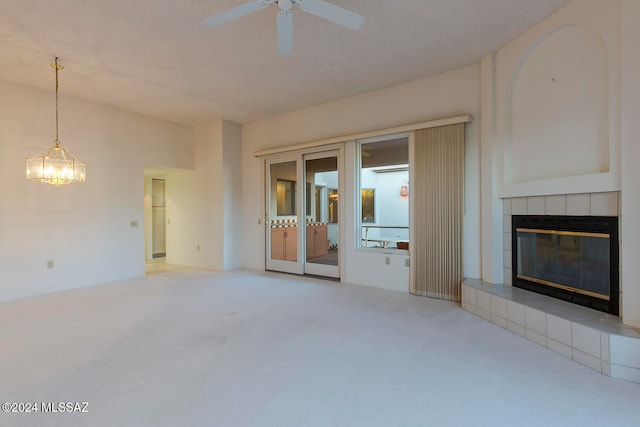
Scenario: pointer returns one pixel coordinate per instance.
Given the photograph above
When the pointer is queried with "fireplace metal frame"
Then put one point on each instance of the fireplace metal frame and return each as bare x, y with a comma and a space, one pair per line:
563, 224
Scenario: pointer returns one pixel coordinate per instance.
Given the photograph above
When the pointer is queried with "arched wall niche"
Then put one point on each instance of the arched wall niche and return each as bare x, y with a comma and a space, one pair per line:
557, 113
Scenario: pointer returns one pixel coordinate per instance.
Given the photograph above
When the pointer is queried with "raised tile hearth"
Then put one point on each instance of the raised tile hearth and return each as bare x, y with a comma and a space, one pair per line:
595, 339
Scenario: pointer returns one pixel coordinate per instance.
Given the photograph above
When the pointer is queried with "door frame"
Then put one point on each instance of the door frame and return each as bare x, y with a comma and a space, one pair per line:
300, 266
295, 267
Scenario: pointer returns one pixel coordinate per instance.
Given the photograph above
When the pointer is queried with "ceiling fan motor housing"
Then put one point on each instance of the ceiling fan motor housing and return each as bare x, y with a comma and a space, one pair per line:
285, 4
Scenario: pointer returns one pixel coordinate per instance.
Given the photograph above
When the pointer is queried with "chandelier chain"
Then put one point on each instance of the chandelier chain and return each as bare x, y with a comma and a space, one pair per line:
57, 141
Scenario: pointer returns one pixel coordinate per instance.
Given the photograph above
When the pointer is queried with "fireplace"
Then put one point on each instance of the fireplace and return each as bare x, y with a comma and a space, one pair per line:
573, 258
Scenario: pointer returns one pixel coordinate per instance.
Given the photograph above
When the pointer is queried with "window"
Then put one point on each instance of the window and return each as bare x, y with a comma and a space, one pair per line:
384, 186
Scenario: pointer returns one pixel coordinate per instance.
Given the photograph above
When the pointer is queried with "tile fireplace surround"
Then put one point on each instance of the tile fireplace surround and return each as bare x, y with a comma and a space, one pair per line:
595, 339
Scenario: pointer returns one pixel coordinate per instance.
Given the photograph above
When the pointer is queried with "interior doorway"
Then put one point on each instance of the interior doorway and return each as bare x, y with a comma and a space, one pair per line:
158, 219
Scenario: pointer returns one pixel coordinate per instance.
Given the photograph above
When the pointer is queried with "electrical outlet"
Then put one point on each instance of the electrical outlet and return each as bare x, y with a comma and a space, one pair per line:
387, 260
50, 263
134, 224
197, 247
169, 221
407, 262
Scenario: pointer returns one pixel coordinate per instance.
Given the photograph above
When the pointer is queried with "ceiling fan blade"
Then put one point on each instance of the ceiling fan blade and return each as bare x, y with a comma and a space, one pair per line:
285, 32
333, 13
236, 12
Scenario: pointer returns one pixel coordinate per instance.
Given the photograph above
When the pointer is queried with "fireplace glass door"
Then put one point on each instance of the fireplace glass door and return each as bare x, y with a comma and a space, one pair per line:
575, 261
573, 258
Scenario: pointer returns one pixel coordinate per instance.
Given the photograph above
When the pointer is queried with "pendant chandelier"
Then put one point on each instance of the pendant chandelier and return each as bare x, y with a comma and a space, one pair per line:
57, 166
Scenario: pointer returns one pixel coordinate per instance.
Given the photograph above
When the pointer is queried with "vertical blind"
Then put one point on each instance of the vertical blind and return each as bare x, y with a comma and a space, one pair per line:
437, 191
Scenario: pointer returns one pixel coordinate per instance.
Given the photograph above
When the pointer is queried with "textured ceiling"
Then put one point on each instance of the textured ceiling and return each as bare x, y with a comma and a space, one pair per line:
157, 57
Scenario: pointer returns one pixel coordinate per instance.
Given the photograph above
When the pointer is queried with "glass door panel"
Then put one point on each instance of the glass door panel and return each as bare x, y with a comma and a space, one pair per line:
321, 215
281, 222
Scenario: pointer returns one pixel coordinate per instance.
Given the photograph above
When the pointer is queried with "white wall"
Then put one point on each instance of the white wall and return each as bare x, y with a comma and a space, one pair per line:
194, 206
84, 228
445, 95
492, 207
232, 226
190, 221
204, 205
630, 89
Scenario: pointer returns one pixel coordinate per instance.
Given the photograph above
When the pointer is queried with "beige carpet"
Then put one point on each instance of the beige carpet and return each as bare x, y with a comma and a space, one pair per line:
196, 348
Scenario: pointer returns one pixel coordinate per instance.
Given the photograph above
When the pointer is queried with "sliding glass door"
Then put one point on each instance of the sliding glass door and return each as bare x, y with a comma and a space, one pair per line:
302, 214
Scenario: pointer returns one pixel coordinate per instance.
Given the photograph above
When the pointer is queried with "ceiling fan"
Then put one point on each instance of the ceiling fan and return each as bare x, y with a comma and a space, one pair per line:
319, 8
